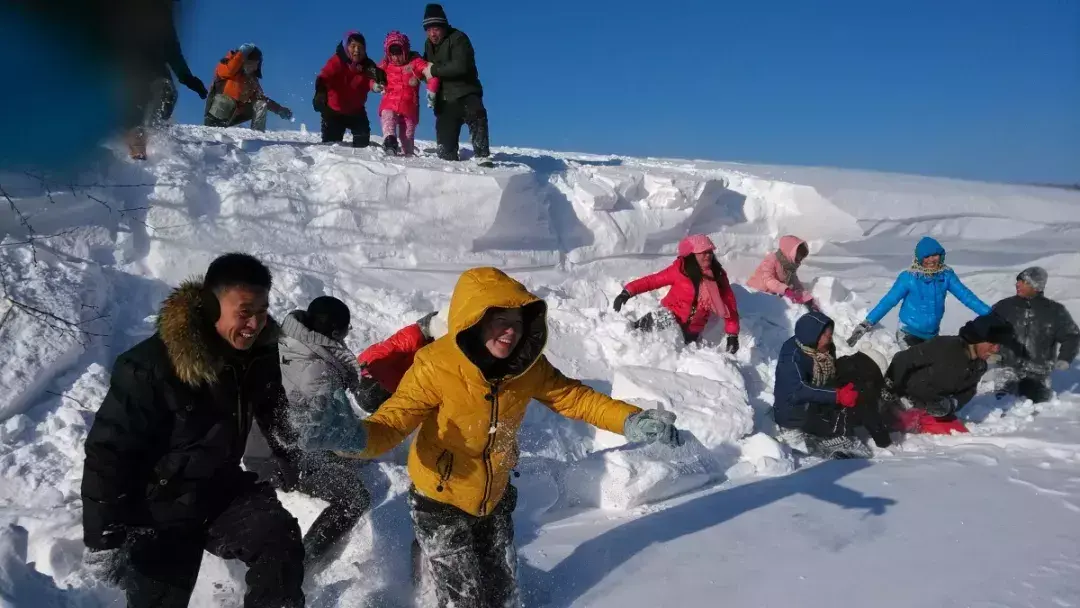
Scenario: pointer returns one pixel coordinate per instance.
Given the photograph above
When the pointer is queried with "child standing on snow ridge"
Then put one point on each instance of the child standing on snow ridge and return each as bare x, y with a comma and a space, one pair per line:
777, 272
399, 109
699, 289
922, 290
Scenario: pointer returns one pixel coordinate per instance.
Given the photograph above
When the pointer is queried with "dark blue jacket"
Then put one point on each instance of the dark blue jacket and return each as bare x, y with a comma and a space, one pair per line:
792, 392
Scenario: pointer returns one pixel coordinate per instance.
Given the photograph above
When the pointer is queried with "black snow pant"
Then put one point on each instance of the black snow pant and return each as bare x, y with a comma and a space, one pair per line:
1034, 387
254, 528
335, 480
451, 115
663, 319
152, 105
834, 420
908, 340
472, 560
334, 126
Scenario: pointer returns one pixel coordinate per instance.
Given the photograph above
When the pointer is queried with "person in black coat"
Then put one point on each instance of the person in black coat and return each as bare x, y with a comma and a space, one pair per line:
1047, 338
460, 99
162, 479
942, 375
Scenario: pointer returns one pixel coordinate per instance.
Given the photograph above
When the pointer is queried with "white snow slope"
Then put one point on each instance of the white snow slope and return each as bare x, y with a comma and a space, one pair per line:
987, 519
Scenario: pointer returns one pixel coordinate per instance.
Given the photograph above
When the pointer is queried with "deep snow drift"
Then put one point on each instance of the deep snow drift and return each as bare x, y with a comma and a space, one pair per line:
988, 519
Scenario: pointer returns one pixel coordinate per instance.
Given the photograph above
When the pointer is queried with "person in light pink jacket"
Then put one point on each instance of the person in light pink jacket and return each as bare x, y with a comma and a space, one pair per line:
777, 273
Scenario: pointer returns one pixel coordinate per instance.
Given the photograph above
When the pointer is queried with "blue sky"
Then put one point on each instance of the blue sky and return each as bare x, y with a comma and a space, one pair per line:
976, 89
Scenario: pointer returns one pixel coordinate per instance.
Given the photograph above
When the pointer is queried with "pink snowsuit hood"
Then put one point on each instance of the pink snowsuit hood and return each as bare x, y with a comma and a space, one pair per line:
770, 275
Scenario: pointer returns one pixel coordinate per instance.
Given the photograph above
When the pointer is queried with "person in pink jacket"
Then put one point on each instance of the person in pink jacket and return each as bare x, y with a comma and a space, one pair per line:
699, 290
777, 273
399, 110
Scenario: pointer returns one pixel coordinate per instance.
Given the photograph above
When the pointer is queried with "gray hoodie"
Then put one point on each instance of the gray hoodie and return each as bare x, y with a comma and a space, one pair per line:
317, 371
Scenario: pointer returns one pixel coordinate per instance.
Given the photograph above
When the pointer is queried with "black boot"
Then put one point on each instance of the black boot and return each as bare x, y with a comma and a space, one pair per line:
334, 522
446, 154
390, 143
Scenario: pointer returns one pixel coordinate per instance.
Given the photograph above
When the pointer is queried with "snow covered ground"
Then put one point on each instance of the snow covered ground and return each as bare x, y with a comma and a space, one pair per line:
987, 519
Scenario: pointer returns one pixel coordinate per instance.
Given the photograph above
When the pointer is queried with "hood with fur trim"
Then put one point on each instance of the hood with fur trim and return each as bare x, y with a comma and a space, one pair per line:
197, 354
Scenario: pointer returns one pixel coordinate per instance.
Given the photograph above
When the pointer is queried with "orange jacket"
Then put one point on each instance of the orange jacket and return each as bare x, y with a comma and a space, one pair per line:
241, 87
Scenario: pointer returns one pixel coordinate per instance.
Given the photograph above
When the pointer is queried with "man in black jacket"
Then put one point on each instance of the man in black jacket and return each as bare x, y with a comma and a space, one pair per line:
460, 99
162, 478
942, 374
1047, 338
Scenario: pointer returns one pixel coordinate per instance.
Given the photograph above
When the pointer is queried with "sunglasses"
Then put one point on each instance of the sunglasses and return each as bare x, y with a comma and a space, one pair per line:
397, 49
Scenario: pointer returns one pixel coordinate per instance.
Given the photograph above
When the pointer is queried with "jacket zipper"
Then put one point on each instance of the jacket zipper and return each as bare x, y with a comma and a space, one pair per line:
489, 473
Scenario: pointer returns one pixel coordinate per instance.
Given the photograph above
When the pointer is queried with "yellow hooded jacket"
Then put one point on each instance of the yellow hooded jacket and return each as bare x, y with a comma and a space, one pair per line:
468, 421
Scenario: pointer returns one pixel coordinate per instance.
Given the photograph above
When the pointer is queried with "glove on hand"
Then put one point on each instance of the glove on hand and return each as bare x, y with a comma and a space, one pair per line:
651, 426
859, 332
939, 408
621, 300
431, 99
732, 344
847, 396
285, 113
196, 85
797, 296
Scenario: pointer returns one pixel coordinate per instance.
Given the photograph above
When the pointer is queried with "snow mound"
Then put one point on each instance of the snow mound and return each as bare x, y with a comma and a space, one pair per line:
87, 259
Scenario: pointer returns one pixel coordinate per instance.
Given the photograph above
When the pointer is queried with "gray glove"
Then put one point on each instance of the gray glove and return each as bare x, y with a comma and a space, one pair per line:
651, 426
431, 98
107, 565
859, 332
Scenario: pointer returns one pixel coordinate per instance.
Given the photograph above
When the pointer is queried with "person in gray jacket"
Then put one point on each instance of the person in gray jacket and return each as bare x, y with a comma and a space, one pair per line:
318, 371
1047, 338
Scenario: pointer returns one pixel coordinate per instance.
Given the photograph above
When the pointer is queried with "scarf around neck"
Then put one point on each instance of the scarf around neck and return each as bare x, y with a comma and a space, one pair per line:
790, 267
824, 364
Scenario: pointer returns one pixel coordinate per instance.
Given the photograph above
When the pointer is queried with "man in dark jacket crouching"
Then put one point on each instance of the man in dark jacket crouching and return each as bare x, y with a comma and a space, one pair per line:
162, 479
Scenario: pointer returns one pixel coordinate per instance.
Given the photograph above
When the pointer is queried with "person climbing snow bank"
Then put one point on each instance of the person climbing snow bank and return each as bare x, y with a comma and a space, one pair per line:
399, 110
812, 396
777, 273
699, 290
934, 379
236, 95
467, 392
1047, 338
920, 290
460, 98
387, 361
341, 91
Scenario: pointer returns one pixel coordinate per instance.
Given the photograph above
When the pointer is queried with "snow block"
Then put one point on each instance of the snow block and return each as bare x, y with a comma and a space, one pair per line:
716, 412
74, 292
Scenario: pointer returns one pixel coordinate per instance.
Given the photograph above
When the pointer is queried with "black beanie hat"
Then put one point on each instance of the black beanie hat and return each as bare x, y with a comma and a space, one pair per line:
328, 316
435, 16
987, 328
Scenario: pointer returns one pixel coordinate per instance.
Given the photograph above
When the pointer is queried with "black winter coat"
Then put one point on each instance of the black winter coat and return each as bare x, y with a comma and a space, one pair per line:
455, 66
940, 367
165, 446
1045, 333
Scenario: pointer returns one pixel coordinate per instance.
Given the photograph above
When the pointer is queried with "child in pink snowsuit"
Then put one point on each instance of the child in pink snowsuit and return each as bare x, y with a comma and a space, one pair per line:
399, 110
777, 272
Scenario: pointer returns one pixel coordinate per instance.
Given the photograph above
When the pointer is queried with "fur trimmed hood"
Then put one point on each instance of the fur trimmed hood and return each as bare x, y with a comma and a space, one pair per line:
195, 351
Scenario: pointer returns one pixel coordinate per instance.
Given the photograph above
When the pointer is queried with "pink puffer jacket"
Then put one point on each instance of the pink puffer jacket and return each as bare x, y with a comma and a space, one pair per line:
770, 275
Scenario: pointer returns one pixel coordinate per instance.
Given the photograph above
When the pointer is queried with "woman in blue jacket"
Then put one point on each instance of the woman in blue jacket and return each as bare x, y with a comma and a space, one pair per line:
922, 289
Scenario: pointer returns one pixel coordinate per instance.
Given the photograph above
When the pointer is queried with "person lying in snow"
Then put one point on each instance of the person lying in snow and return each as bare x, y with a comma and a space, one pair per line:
236, 95
467, 392
1046, 338
162, 478
386, 362
399, 110
932, 380
777, 272
699, 290
819, 395
920, 291
341, 91
317, 370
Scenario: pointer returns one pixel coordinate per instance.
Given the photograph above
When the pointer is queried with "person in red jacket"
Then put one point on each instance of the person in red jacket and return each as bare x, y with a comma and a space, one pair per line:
386, 362
699, 290
399, 110
341, 91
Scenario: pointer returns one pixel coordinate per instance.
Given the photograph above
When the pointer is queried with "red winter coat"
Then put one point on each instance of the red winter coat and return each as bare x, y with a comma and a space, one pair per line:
681, 298
402, 96
347, 85
387, 361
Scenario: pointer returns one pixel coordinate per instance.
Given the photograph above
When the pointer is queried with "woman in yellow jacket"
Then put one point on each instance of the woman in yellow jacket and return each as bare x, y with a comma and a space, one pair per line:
468, 391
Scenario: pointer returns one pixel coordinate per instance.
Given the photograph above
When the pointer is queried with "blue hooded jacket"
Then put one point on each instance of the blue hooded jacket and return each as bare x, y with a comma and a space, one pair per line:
923, 295
792, 391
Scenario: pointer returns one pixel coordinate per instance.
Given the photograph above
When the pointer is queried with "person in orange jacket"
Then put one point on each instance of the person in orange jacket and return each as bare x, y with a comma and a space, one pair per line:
236, 96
